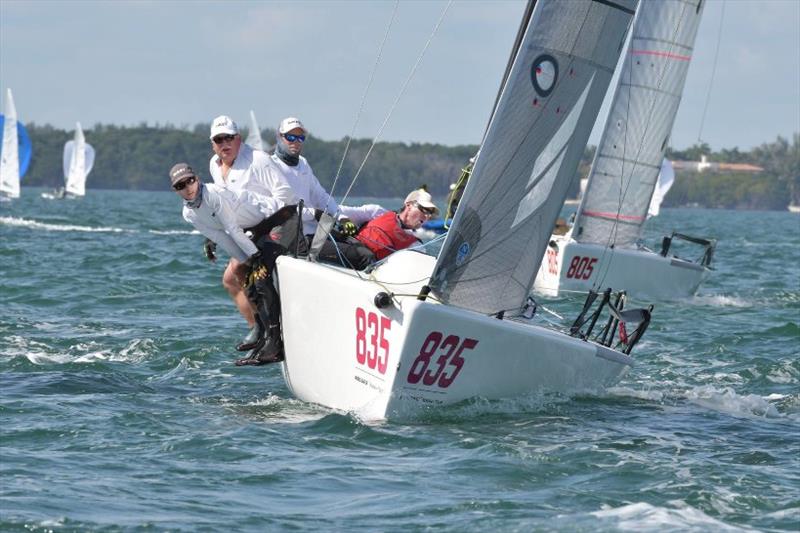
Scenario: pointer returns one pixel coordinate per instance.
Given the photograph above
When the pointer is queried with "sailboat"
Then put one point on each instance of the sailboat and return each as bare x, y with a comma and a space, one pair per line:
16, 151
78, 162
254, 137
604, 246
420, 331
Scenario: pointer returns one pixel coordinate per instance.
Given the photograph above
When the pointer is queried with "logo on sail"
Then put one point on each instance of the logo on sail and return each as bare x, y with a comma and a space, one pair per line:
463, 252
544, 73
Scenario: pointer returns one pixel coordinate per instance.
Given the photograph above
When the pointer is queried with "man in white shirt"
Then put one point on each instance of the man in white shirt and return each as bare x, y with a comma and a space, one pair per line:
236, 167
221, 216
296, 171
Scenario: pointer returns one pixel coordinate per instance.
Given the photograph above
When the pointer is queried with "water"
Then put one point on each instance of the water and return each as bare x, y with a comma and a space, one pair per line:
120, 408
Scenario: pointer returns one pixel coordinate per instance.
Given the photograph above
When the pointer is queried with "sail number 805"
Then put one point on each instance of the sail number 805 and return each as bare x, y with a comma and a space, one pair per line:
446, 366
581, 267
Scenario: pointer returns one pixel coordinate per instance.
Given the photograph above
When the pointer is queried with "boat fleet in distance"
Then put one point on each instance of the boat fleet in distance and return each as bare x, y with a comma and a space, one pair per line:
17, 151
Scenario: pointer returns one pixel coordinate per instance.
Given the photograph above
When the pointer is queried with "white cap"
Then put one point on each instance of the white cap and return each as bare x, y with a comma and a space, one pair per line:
223, 125
290, 123
423, 198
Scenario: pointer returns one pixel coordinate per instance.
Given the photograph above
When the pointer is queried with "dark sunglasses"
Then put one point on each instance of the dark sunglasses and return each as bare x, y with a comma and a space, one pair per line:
184, 183
292, 138
425, 210
219, 139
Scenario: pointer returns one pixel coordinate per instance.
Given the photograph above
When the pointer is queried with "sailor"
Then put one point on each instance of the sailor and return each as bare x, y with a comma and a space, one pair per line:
236, 167
221, 216
296, 171
394, 230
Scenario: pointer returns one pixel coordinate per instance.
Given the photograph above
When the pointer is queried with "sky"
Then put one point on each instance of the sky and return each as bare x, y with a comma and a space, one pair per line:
185, 62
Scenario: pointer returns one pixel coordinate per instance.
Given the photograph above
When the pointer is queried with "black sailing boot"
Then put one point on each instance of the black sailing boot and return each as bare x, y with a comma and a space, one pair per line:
254, 338
270, 351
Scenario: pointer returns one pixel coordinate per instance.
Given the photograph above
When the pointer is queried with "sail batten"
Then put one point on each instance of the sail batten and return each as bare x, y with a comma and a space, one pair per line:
536, 136
625, 171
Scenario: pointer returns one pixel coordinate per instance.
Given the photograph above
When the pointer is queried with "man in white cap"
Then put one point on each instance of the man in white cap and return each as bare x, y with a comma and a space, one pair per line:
222, 217
296, 171
393, 231
237, 167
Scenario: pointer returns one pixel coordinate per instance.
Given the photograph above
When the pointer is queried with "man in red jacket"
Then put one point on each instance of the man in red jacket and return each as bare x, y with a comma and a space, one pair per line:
393, 230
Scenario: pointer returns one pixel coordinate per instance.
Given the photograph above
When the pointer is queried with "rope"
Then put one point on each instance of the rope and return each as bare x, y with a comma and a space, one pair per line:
397, 99
713, 72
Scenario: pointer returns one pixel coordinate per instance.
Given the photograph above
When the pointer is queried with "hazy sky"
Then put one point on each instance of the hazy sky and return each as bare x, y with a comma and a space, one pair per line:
184, 62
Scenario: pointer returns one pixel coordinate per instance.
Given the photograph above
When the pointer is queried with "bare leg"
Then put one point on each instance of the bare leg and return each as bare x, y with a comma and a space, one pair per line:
232, 281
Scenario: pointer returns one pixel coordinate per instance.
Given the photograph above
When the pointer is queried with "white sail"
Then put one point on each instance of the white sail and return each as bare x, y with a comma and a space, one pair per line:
254, 137
627, 163
78, 161
539, 128
9, 158
665, 180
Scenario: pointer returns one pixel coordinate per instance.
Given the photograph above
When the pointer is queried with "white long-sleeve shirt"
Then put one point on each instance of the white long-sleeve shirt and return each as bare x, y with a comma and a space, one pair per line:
222, 215
252, 170
306, 187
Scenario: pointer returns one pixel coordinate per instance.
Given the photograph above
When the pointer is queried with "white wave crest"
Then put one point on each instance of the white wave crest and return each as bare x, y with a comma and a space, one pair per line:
174, 232
727, 401
720, 300
24, 223
642, 516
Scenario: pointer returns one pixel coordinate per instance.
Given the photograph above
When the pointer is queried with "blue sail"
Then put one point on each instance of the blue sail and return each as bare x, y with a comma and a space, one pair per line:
24, 143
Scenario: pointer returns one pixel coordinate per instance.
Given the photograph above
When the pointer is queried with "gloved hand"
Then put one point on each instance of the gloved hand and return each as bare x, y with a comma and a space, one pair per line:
347, 227
253, 260
210, 248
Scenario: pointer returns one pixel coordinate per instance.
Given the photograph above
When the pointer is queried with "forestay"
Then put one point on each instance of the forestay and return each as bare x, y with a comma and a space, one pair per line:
9, 157
628, 160
78, 162
539, 128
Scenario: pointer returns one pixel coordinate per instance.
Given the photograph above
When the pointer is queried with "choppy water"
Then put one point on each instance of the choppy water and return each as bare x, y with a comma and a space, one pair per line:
120, 408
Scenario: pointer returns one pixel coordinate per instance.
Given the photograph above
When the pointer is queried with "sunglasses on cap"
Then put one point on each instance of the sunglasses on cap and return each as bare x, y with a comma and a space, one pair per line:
427, 211
184, 183
219, 139
292, 138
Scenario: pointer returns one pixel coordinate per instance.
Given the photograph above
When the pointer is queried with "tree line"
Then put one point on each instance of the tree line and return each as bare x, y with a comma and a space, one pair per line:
139, 157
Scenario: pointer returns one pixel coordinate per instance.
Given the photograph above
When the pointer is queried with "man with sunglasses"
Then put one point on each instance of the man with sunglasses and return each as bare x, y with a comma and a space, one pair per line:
392, 231
296, 171
221, 216
236, 167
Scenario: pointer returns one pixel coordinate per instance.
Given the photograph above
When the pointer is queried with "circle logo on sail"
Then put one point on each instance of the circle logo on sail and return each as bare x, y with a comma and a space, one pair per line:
463, 252
544, 73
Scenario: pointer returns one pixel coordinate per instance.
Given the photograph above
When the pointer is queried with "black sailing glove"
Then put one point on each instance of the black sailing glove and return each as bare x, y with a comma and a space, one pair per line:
347, 227
210, 248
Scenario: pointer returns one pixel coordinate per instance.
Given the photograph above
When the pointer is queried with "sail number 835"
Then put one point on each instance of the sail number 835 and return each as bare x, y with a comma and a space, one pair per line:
446, 366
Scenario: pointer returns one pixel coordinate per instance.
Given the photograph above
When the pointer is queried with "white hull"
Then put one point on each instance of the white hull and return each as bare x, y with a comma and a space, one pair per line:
344, 352
641, 273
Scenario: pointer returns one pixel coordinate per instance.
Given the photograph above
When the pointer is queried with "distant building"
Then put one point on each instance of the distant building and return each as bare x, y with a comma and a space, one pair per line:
704, 165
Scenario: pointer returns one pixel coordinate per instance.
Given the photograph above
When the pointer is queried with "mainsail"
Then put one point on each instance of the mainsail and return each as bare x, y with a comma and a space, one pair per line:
9, 158
78, 162
548, 103
628, 160
254, 137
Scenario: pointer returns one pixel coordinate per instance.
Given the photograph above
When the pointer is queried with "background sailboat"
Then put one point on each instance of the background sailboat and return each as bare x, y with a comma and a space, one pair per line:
78, 162
603, 249
16, 151
254, 136
420, 332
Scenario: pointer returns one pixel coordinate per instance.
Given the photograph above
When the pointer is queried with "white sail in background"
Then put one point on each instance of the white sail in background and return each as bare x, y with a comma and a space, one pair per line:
254, 137
78, 162
665, 180
9, 158
628, 160
537, 134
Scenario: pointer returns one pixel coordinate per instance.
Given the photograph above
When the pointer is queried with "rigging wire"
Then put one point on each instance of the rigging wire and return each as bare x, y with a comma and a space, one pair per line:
397, 99
364, 96
713, 72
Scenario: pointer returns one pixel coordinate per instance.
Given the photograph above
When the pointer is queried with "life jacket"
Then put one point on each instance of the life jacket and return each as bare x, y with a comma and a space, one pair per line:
384, 235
